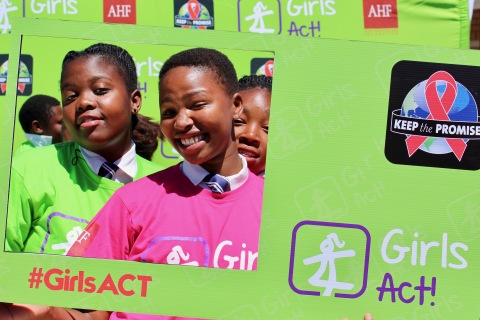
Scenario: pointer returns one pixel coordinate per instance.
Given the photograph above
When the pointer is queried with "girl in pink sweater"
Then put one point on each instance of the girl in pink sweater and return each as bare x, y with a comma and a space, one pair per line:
204, 211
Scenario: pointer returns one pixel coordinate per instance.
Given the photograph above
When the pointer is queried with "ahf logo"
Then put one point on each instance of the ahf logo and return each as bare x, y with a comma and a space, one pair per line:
5, 7
380, 14
326, 259
116, 11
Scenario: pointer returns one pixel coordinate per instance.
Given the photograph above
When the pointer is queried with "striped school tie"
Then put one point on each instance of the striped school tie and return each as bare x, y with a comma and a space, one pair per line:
216, 183
107, 170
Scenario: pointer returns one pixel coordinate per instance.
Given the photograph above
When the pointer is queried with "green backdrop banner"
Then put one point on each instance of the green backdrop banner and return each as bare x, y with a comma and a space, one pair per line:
442, 23
370, 205
445, 23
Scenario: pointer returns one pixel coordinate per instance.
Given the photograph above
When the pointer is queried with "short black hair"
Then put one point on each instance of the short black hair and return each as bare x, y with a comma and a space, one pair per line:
255, 81
37, 107
115, 55
208, 59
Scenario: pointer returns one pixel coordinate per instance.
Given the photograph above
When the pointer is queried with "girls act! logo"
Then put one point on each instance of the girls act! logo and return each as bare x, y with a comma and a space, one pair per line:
437, 118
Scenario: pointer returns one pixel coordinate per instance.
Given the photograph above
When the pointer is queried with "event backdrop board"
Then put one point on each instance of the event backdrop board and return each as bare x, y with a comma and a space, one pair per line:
444, 23
371, 203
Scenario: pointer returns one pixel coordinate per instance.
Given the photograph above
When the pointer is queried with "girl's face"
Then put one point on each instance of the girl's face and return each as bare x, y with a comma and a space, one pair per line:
97, 107
197, 118
251, 128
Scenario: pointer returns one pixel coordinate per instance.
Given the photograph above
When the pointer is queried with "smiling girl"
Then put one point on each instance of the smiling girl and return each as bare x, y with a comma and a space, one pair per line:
251, 127
182, 215
56, 190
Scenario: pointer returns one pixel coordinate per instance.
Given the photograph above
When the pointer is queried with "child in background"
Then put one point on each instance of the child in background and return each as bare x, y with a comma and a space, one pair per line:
41, 120
56, 190
251, 127
182, 215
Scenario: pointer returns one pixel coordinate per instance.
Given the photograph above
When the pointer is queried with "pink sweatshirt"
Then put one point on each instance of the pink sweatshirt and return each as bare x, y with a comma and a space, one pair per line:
164, 218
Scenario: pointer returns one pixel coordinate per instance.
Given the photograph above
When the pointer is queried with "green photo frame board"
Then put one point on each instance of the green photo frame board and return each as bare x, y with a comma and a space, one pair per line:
370, 202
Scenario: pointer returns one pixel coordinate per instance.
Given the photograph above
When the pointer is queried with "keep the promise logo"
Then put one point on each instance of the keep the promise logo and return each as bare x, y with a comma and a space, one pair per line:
437, 117
25, 74
194, 14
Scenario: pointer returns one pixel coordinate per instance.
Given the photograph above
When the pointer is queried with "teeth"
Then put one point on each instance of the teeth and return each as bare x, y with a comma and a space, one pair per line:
247, 153
189, 141
86, 120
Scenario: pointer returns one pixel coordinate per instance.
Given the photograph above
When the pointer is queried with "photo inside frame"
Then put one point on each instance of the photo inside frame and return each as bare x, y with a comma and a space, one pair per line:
59, 210
40, 72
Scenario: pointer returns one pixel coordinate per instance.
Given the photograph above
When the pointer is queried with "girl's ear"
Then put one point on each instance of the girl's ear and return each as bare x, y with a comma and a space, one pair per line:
36, 127
136, 101
237, 105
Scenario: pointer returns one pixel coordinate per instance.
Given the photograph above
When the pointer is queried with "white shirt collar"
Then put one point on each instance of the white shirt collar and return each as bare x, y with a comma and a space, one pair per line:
127, 164
195, 173
39, 140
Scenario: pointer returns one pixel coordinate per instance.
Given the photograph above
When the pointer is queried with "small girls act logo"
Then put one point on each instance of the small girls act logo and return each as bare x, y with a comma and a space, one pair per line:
6, 6
320, 255
260, 16
193, 14
437, 118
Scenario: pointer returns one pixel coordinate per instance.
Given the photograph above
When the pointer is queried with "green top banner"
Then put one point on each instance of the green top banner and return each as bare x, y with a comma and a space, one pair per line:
437, 23
442, 23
